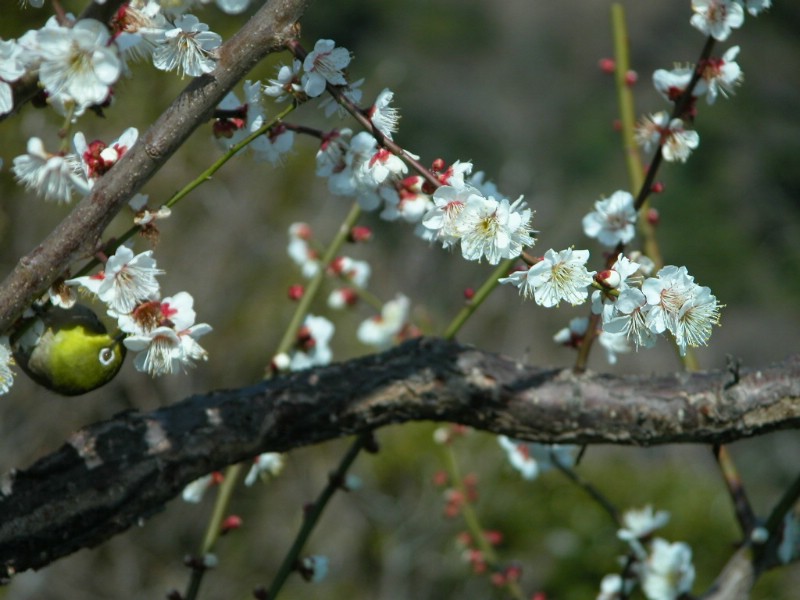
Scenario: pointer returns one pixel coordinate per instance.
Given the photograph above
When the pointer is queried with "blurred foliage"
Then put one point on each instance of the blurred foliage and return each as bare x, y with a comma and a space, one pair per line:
513, 86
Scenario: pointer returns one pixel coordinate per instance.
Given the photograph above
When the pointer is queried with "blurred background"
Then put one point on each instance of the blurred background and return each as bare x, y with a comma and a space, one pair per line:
515, 87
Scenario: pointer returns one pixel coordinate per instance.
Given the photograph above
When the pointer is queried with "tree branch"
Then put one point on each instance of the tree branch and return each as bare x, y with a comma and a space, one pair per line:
113, 474
78, 234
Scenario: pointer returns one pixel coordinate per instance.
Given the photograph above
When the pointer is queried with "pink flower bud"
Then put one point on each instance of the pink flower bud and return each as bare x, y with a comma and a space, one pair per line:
607, 65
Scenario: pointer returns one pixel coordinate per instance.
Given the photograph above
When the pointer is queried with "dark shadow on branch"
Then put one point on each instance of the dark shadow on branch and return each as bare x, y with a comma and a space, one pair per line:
116, 473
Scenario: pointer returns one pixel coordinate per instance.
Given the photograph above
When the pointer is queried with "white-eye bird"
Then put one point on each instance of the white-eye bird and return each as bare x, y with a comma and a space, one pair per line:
68, 351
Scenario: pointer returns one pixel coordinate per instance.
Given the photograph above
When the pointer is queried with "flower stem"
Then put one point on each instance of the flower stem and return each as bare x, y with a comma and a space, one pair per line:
195, 183
627, 113
476, 530
314, 512
313, 287
214, 527
483, 292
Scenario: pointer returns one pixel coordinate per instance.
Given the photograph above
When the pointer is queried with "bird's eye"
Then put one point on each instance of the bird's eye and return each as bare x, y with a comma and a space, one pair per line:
106, 356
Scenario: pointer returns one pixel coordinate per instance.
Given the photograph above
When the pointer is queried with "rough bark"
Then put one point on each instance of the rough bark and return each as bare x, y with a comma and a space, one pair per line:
116, 473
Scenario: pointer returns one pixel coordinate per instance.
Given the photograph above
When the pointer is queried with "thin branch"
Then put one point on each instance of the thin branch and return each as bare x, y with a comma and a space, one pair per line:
116, 473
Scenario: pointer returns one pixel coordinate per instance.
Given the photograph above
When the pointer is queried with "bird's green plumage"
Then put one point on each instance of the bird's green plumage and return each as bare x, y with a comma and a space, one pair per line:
68, 351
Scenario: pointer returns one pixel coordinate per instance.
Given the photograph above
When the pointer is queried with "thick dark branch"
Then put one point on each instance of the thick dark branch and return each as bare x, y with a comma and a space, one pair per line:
112, 474
78, 234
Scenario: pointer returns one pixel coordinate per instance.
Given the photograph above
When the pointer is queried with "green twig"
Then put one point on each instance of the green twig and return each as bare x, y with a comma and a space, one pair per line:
214, 527
483, 292
195, 183
314, 512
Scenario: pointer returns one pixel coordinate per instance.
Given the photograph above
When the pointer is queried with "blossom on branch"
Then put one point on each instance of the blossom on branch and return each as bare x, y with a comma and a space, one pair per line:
78, 64
324, 64
188, 48
11, 69
52, 176
126, 281
612, 221
557, 276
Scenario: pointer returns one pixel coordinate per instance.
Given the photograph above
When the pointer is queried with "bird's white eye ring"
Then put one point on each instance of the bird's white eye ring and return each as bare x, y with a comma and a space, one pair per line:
106, 356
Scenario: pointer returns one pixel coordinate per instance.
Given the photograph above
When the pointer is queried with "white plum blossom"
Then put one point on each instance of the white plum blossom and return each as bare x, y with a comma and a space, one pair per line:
668, 572
6, 360
352, 92
484, 226
332, 152
630, 318
679, 142
671, 301
313, 345
672, 84
557, 276
676, 142
624, 271
287, 84
313, 568
611, 587
138, 27
413, 203
573, 335
194, 491
268, 464
11, 69
754, 7
666, 294
381, 166
144, 216
188, 48
639, 524
443, 218
695, 319
324, 64
720, 76
52, 176
716, 17
78, 64
532, 459
613, 344
356, 272
380, 331
126, 281
612, 221
271, 146
166, 340
384, 116
299, 250
353, 177
233, 7
98, 157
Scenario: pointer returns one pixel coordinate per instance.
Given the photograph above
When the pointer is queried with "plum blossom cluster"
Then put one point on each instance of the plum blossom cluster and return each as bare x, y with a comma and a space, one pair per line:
662, 569
162, 331
57, 176
642, 309
352, 276
237, 120
712, 77
717, 18
77, 62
